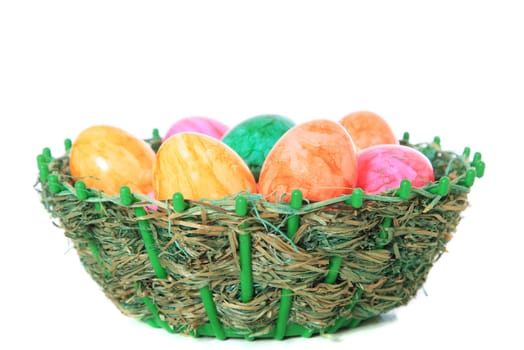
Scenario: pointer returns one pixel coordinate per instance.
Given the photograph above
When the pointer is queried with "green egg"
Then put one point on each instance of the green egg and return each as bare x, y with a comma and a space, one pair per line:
253, 138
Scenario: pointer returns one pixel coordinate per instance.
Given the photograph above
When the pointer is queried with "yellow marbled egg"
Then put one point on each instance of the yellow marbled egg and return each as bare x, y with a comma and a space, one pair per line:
199, 166
107, 158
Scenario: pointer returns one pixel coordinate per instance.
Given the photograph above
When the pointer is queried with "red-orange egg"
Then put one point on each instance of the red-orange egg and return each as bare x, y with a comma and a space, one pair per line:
368, 129
107, 158
317, 157
199, 166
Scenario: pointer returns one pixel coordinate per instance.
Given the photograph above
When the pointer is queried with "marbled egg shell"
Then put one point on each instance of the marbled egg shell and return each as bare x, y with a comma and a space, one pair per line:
383, 167
199, 166
368, 129
318, 157
107, 158
253, 138
203, 125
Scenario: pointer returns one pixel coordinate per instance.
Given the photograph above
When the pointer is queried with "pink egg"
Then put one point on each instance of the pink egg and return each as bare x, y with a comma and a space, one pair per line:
383, 167
203, 125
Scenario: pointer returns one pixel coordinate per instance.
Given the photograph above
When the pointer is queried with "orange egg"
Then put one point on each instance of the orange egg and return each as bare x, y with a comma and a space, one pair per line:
368, 129
107, 158
317, 157
199, 166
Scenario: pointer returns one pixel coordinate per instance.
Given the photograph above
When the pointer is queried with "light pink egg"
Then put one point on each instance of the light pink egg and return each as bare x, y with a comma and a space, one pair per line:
202, 125
383, 167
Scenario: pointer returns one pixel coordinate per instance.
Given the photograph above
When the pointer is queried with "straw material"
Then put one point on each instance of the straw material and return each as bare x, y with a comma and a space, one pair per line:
381, 267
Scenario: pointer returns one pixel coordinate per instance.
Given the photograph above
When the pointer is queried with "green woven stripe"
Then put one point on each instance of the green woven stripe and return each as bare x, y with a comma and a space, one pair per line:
286, 294
127, 198
149, 243
294, 220
96, 253
211, 311
292, 330
283, 314
383, 234
334, 266
244, 242
156, 317
343, 322
246, 274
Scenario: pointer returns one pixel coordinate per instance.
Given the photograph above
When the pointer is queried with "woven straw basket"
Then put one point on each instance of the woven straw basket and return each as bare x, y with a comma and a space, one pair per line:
243, 267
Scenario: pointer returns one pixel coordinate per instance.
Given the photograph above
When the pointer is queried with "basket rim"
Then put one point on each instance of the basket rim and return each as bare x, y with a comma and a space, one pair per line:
62, 184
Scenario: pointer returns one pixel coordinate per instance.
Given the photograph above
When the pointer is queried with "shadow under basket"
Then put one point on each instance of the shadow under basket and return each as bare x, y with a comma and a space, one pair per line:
242, 267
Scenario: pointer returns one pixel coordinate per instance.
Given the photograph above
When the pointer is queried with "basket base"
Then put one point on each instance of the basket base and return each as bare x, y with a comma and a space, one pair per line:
292, 330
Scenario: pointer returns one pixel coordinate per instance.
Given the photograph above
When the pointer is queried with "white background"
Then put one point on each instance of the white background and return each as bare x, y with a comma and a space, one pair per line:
447, 68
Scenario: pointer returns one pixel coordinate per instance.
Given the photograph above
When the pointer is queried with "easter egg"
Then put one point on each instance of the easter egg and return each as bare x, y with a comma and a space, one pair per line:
383, 167
318, 157
107, 158
199, 166
368, 129
203, 125
253, 138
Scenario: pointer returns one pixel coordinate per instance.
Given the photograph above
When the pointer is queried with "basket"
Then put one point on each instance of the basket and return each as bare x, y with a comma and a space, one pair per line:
242, 267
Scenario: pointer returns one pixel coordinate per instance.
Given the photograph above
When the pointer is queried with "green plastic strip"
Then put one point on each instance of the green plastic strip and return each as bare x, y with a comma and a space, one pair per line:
67, 145
352, 323
93, 246
405, 137
355, 299
211, 311
443, 187
94, 250
149, 243
469, 178
151, 322
54, 185
480, 166
244, 238
156, 317
147, 236
294, 220
81, 190
334, 267
43, 169
383, 235
40, 159
241, 206
436, 140
405, 189
125, 196
46, 152
466, 153
179, 204
357, 198
292, 330
156, 140
286, 294
343, 322
283, 313
82, 194
306, 332
98, 206
477, 157
156, 134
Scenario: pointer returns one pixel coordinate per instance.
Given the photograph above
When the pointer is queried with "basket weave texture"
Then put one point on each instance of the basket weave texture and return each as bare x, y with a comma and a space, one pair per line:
349, 260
